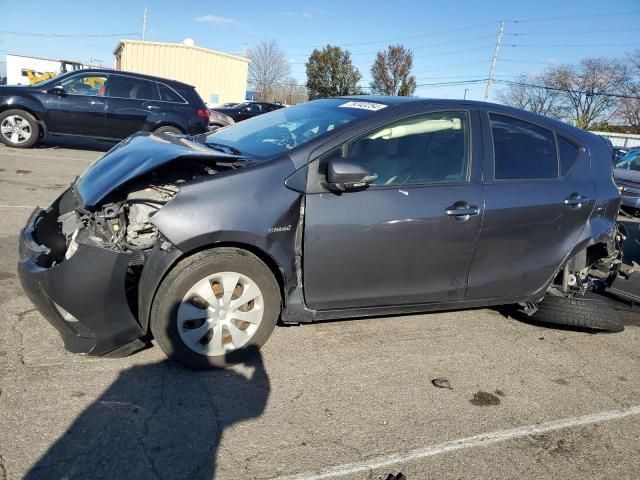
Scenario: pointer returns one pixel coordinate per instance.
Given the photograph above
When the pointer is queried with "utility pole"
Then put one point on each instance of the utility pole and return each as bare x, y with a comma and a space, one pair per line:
493, 62
144, 23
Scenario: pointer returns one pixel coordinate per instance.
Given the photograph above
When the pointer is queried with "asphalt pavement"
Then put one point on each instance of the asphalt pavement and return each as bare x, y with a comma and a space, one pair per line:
345, 399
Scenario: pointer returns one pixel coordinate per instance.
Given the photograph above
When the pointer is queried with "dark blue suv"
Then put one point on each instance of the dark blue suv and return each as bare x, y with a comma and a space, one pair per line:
99, 103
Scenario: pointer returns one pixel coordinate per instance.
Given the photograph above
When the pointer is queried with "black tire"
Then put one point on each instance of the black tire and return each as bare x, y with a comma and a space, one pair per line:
33, 125
164, 311
169, 129
589, 313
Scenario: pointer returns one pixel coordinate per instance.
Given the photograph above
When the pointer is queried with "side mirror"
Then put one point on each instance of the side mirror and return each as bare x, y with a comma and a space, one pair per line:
58, 90
343, 175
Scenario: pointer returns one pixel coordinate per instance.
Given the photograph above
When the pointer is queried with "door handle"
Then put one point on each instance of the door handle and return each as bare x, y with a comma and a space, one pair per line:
94, 103
461, 211
152, 107
576, 201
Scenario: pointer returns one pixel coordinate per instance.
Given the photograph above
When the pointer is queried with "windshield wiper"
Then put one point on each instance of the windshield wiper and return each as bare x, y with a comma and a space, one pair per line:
223, 148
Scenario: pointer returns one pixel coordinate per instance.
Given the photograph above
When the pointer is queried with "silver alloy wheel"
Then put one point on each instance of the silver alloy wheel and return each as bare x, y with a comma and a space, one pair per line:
16, 129
220, 313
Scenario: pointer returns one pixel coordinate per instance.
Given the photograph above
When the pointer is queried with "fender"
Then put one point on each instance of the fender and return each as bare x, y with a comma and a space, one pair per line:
24, 102
172, 119
271, 230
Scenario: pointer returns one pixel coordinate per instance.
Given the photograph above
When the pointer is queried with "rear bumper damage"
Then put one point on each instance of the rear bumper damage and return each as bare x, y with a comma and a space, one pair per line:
83, 296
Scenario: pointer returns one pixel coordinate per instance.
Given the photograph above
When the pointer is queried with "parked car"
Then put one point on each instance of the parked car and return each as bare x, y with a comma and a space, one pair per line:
219, 120
620, 152
335, 208
627, 177
245, 110
101, 104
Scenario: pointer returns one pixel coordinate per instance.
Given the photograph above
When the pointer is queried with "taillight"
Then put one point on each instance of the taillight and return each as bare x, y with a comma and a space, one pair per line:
203, 113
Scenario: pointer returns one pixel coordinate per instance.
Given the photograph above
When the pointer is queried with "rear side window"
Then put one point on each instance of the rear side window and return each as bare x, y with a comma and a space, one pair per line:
133, 88
522, 151
569, 153
168, 94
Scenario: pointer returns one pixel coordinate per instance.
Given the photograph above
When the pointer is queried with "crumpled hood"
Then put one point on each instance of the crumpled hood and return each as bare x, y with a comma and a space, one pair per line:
134, 156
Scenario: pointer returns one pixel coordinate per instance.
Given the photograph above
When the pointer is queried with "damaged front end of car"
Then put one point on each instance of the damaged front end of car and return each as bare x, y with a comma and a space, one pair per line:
82, 258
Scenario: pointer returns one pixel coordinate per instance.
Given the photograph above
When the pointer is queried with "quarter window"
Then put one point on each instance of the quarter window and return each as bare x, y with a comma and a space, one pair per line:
168, 94
522, 150
129, 87
431, 148
569, 153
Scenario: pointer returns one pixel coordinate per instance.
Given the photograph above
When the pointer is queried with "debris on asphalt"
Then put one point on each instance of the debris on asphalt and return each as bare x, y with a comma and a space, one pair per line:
441, 383
484, 399
399, 476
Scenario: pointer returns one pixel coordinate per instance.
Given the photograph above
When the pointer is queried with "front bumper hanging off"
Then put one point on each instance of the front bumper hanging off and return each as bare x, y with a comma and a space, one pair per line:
84, 296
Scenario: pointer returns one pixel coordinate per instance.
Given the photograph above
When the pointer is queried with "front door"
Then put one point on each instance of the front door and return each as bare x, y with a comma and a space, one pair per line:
79, 109
410, 236
537, 203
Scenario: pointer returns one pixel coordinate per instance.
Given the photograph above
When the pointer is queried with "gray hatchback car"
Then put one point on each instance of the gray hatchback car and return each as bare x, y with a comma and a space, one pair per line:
342, 207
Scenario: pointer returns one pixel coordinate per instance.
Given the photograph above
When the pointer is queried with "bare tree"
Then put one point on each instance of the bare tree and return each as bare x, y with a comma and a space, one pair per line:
589, 90
290, 92
268, 68
629, 111
391, 72
533, 93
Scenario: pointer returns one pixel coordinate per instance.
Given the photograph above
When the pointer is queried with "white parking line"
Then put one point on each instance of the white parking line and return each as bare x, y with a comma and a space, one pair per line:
482, 440
47, 157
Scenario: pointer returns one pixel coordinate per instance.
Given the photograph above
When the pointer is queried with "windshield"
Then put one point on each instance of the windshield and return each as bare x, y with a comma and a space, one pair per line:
276, 132
631, 161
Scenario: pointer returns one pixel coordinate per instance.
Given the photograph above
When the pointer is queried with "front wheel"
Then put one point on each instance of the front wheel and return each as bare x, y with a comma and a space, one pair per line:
18, 129
215, 308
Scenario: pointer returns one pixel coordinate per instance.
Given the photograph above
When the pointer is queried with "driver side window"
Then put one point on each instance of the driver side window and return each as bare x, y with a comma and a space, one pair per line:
432, 148
88, 84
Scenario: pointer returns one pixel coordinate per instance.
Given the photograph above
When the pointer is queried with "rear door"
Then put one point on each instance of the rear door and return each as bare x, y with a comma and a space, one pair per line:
538, 197
130, 100
410, 236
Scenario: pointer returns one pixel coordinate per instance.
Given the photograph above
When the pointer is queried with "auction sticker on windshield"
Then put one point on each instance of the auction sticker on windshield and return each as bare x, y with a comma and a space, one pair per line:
364, 105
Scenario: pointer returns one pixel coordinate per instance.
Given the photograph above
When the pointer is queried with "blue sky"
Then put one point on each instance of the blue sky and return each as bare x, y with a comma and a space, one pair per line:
452, 41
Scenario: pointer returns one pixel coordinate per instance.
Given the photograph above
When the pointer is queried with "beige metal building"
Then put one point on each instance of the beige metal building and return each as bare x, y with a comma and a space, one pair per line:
218, 77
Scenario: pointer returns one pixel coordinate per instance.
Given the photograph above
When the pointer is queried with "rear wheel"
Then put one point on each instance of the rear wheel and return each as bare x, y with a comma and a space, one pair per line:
168, 129
583, 312
18, 129
215, 308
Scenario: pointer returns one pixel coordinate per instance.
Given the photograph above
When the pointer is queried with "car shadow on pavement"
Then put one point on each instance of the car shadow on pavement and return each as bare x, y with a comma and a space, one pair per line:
157, 421
75, 143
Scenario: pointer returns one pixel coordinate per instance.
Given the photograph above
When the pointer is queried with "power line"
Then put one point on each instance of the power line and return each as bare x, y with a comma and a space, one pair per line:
433, 45
577, 45
557, 89
424, 35
421, 56
67, 35
565, 32
572, 17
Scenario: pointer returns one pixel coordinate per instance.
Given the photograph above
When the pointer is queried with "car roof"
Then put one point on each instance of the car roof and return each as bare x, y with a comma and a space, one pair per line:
130, 74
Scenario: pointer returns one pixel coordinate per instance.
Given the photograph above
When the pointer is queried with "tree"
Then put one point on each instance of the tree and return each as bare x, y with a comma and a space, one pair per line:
268, 68
330, 73
391, 72
629, 111
534, 93
588, 90
290, 92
